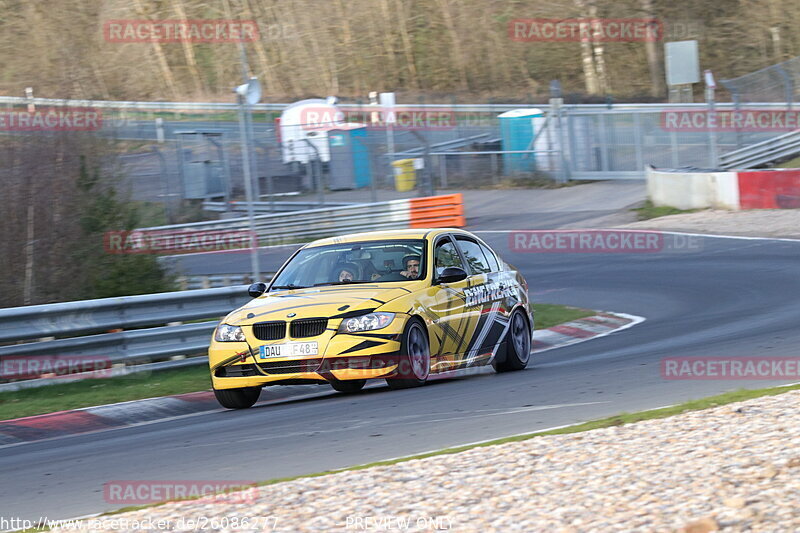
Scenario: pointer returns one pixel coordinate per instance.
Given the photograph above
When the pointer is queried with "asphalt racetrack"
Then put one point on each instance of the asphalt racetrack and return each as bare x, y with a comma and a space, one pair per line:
723, 297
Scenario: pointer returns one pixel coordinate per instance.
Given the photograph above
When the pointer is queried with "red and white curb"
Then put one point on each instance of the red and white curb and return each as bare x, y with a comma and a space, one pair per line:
90, 419
136, 412
582, 329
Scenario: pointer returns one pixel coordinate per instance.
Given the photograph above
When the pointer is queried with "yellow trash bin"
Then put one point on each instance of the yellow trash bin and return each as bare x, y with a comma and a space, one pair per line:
405, 177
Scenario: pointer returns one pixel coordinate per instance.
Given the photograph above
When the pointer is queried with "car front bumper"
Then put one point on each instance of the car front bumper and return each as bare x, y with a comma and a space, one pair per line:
371, 355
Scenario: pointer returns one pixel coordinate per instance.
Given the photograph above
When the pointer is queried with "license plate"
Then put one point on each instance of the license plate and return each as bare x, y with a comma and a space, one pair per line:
288, 349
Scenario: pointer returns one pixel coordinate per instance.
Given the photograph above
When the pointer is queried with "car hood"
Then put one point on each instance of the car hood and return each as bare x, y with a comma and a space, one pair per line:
325, 301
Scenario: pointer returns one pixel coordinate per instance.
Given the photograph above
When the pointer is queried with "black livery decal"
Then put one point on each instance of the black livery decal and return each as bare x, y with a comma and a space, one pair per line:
362, 346
354, 313
487, 292
386, 336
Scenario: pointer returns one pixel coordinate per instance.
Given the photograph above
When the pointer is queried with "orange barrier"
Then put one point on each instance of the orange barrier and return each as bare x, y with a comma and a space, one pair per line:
445, 211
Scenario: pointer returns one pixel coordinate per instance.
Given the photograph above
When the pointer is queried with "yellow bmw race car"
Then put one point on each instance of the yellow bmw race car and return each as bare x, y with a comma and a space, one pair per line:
395, 305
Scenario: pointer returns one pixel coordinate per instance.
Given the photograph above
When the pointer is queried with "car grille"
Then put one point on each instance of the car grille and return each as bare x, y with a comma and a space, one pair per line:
270, 367
269, 331
289, 367
236, 371
310, 327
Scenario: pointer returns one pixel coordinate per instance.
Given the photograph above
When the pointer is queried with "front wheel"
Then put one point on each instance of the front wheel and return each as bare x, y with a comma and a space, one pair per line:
349, 386
238, 398
518, 344
415, 357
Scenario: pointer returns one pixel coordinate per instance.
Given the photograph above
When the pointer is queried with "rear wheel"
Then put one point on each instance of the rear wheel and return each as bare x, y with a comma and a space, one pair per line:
238, 398
518, 344
415, 357
349, 386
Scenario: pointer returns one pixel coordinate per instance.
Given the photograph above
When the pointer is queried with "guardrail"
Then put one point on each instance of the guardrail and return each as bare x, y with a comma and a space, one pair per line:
282, 205
753, 155
155, 342
217, 280
432, 211
125, 346
92, 316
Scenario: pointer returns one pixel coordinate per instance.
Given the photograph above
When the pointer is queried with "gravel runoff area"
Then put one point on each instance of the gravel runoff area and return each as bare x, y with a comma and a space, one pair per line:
750, 223
729, 468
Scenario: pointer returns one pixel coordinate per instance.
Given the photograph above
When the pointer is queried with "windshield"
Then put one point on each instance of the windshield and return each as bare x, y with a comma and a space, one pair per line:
356, 262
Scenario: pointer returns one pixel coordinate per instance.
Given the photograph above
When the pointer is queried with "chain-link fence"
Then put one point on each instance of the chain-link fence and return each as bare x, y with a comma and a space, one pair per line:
776, 83
193, 152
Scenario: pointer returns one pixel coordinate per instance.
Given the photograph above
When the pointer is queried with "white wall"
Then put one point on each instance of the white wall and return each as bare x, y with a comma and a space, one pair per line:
693, 190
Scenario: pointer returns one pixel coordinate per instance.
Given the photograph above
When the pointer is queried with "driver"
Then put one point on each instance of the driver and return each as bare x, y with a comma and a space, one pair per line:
411, 265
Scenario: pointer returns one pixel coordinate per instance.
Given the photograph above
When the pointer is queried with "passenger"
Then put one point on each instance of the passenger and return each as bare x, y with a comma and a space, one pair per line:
345, 272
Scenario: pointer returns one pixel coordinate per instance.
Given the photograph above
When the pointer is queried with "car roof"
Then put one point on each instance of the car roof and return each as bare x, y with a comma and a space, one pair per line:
419, 233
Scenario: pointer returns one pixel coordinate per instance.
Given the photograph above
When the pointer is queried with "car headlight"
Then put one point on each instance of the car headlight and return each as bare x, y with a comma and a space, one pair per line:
366, 322
228, 333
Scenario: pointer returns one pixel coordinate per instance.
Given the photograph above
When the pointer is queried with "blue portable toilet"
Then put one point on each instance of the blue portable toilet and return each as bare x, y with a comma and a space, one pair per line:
516, 132
349, 157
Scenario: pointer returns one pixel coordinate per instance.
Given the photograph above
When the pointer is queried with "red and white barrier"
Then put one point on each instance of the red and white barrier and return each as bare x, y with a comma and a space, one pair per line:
744, 189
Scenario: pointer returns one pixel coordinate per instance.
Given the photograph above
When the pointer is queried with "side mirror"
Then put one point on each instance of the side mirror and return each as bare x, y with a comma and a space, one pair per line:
257, 289
452, 274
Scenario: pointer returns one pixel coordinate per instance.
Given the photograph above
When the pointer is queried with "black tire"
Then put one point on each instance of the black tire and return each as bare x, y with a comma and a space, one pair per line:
348, 386
415, 357
238, 398
518, 344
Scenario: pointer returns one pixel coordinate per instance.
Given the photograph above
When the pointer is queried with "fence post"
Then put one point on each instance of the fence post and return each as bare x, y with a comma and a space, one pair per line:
788, 86
637, 139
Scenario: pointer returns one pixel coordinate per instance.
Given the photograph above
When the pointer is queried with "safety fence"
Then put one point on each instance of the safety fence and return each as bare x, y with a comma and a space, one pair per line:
302, 226
112, 332
195, 150
776, 83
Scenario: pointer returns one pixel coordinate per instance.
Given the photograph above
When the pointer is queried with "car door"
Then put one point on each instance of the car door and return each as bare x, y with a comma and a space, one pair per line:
453, 321
486, 294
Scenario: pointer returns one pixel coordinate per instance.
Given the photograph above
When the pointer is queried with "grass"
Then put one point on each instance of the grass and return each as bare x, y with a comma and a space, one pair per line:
49, 399
102, 391
617, 420
548, 315
648, 211
792, 163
